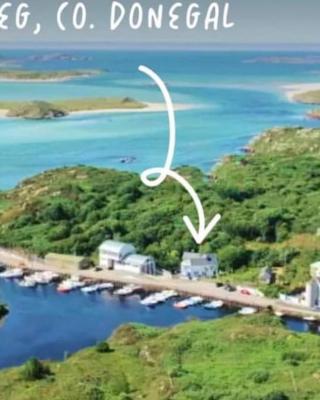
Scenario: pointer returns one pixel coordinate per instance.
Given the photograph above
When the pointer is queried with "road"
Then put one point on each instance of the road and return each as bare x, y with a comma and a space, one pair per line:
197, 288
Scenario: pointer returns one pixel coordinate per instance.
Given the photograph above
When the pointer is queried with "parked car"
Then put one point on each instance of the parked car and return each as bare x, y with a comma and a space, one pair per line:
229, 288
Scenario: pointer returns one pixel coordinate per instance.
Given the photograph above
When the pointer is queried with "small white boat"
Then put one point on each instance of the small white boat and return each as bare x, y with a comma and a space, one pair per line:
195, 300
169, 294
27, 283
181, 304
214, 305
14, 273
191, 301
127, 290
105, 286
155, 299
89, 289
309, 318
150, 301
70, 284
247, 311
279, 314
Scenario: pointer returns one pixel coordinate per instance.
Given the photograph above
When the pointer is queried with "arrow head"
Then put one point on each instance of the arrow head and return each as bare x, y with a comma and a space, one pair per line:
202, 233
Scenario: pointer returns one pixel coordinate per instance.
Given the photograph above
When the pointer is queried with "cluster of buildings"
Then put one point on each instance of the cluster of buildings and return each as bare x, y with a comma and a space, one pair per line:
123, 257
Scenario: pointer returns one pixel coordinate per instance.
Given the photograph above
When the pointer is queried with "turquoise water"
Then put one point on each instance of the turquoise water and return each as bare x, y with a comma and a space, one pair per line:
234, 100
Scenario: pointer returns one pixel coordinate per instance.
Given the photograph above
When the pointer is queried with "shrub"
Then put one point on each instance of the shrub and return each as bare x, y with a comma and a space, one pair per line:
260, 376
34, 370
103, 347
276, 396
294, 357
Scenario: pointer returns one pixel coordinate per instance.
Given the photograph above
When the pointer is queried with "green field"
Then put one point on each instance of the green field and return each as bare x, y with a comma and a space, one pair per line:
252, 358
269, 200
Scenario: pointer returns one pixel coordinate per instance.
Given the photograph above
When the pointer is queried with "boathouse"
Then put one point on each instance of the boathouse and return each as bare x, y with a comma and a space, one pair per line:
196, 265
121, 256
68, 262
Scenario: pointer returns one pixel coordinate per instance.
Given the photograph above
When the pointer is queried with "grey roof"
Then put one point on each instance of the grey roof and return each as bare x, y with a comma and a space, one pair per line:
114, 246
198, 259
137, 260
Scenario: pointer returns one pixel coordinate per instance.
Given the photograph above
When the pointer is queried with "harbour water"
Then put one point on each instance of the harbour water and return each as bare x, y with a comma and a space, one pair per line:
233, 99
51, 325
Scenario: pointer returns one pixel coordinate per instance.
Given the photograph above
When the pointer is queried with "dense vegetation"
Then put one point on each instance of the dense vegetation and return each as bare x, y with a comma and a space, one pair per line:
28, 75
36, 110
252, 358
269, 200
56, 109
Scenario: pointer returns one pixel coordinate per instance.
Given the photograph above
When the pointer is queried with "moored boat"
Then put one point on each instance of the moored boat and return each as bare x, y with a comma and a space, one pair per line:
89, 289
14, 273
105, 286
247, 311
214, 305
27, 282
70, 284
127, 290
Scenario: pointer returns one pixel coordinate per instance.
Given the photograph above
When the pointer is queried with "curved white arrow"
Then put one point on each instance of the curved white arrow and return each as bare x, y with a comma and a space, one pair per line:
203, 230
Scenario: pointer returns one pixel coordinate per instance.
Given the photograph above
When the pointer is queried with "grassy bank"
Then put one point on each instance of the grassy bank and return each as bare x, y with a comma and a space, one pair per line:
253, 358
269, 201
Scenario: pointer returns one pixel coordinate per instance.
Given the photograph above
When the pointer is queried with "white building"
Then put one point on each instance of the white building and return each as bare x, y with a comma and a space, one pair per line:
315, 270
137, 264
312, 293
195, 265
122, 257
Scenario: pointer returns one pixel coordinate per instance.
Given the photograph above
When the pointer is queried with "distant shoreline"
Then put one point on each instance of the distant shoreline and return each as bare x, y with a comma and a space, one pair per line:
44, 80
149, 108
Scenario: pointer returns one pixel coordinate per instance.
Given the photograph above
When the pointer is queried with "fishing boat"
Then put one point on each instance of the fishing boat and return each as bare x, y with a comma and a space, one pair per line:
14, 273
181, 304
151, 300
105, 286
247, 311
27, 282
127, 290
89, 289
155, 299
214, 305
44, 278
169, 294
279, 314
309, 318
69, 285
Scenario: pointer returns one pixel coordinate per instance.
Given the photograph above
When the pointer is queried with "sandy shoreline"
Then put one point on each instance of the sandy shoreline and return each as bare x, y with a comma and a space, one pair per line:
296, 89
150, 108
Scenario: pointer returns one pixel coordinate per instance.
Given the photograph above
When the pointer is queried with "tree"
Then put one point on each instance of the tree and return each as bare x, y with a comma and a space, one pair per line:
34, 370
103, 347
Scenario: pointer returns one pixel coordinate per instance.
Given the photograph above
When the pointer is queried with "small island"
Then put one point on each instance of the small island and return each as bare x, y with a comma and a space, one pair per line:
311, 97
58, 109
44, 76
